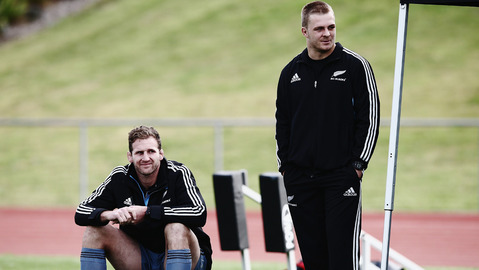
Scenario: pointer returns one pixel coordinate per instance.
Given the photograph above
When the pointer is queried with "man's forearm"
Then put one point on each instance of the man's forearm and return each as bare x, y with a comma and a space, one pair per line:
125, 215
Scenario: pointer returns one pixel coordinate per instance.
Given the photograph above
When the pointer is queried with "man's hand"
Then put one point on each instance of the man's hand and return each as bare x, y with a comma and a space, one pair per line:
125, 215
360, 174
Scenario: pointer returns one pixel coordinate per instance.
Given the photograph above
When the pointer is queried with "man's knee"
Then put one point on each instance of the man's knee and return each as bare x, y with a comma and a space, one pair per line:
176, 228
177, 236
97, 236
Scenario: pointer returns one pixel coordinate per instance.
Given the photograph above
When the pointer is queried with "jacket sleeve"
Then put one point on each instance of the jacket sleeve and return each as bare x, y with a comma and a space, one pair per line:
283, 122
189, 207
102, 199
366, 107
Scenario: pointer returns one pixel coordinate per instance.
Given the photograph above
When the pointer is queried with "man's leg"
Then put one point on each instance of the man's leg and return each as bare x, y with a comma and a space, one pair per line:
182, 247
343, 215
122, 251
305, 201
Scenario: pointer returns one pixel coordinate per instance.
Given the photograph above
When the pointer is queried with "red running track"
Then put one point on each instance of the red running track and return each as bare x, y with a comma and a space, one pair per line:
426, 239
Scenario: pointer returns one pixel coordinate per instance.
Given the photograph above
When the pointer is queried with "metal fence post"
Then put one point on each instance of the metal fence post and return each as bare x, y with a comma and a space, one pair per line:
83, 160
219, 141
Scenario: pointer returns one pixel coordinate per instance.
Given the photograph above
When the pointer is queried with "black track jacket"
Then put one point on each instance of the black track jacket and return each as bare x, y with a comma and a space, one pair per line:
327, 112
174, 198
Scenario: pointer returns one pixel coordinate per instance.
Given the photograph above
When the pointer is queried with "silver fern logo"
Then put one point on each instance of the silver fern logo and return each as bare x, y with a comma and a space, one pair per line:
338, 73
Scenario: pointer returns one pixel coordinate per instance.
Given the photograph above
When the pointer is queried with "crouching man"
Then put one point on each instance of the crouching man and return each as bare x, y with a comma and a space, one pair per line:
159, 210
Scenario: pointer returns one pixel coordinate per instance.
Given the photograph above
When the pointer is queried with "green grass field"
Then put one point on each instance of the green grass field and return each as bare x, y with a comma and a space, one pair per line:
9, 262
166, 59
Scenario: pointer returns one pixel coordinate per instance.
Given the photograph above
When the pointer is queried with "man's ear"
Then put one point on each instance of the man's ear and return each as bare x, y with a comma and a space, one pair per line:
130, 158
304, 31
162, 154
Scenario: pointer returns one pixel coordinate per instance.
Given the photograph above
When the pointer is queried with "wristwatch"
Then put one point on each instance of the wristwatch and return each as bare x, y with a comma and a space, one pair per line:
359, 165
148, 211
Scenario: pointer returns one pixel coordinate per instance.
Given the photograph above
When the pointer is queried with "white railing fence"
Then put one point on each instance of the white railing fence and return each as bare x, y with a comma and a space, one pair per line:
397, 261
218, 124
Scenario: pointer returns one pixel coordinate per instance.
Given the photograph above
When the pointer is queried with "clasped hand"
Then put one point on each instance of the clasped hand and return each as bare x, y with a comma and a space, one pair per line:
125, 215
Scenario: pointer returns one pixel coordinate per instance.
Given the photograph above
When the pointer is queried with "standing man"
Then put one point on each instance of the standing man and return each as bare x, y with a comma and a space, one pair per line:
159, 209
327, 121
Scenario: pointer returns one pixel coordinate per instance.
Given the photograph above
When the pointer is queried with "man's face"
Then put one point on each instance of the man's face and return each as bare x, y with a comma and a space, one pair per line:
320, 33
145, 156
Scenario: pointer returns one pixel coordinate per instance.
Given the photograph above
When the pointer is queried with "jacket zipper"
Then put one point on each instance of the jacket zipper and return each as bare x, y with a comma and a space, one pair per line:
146, 197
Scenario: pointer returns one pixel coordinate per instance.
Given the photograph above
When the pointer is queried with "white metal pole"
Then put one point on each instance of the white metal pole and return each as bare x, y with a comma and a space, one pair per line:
288, 234
394, 131
291, 257
245, 259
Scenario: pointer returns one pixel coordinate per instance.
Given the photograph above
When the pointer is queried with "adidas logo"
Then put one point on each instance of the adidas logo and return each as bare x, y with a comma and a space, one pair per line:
128, 202
338, 73
295, 78
350, 193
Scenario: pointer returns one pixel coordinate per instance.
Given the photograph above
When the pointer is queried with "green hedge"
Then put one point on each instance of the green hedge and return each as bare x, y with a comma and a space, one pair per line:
11, 10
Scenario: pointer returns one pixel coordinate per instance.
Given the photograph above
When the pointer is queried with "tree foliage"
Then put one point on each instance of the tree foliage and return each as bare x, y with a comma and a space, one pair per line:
11, 10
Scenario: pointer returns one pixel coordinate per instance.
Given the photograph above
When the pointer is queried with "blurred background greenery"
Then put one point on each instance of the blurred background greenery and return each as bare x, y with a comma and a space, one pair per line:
153, 59
180, 59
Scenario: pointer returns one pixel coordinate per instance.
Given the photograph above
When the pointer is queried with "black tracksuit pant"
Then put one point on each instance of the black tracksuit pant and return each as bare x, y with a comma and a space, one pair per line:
326, 212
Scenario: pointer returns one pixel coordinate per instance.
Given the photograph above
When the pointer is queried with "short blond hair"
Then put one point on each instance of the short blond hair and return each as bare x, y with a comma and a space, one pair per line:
318, 7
